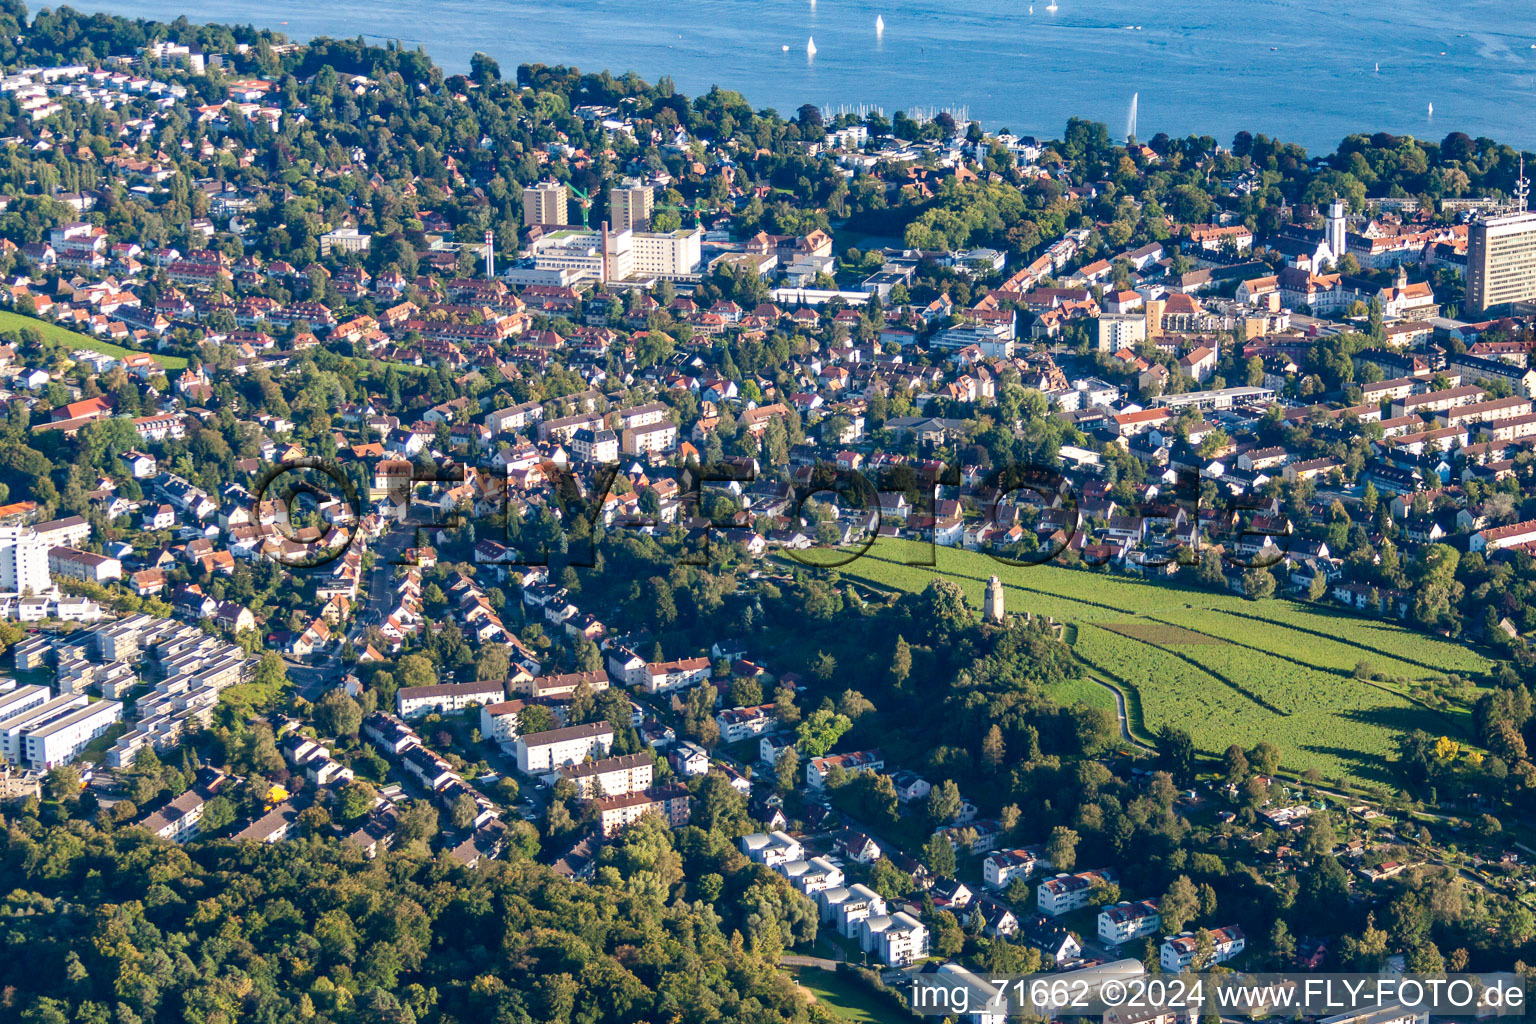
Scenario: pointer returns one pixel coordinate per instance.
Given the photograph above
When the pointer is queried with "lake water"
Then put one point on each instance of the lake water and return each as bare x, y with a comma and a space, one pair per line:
1301, 70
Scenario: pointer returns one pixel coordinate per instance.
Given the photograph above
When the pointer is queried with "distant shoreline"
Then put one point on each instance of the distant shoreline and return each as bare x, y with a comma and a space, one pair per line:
1199, 70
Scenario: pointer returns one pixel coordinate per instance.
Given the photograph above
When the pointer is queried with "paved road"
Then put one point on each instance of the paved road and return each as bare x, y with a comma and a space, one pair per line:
311, 681
1125, 722
378, 598
791, 960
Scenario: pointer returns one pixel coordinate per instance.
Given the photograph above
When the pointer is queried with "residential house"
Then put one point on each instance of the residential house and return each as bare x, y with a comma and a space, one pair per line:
1179, 952
1066, 893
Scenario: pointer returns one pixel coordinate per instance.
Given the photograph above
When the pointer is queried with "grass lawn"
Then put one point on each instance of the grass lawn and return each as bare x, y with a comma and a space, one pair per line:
836, 947
746, 751
847, 1000
96, 751
31, 676
368, 365
63, 337
1226, 669
1087, 691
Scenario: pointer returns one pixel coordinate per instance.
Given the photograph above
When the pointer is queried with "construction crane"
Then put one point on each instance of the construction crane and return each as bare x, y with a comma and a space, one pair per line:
585, 199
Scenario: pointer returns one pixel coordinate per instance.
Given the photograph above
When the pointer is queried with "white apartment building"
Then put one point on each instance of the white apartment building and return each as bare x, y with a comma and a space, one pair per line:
818, 768
737, 724
23, 561
1066, 893
179, 820
673, 254
812, 876
58, 739
1002, 866
171, 55
898, 939
514, 417
23, 698
600, 446
653, 437
344, 240
615, 813
1495, 538
1125, 921
1178, 951
1121, 330
54, 606
83, 565
413, 701
1501, 260
643, 415
663, 676
14, 726
541, 752
611, 776
500, 722
772, 848
626, 666
1438, 401
1493, 411
71, 531
851, 906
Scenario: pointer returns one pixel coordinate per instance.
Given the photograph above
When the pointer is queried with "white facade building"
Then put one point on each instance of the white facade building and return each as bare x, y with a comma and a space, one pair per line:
1121, 330
672, 254
1002, 866
898, 939
772, 848
665, 676
812, 876
545, 751
500, 721
737, 724
858, 903
1126, 921
14, 726
1179, 951
412, 701
996, 341
49, 737
23, 561
23, 698
611, 776
1066, 893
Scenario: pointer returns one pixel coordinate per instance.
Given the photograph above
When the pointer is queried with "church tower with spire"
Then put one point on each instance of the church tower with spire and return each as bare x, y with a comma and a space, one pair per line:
1334, 232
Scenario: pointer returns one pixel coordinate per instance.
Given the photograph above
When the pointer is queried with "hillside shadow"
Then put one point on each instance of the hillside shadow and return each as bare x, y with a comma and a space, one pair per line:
1365, 767
1400, 719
